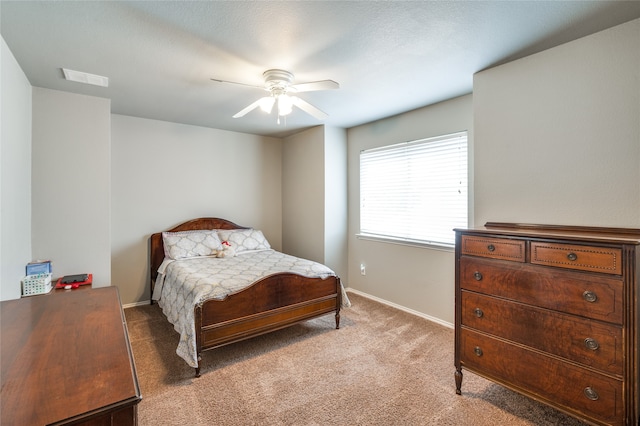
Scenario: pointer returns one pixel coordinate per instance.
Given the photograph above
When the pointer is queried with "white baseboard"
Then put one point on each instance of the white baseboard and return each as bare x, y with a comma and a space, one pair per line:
360, 293
402, 308
132, 305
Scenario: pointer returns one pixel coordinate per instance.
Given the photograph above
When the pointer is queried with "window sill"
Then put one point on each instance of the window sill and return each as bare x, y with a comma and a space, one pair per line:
407, 242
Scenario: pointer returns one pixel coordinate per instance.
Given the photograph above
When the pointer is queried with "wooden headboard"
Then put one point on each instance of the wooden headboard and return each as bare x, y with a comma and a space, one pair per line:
156, 246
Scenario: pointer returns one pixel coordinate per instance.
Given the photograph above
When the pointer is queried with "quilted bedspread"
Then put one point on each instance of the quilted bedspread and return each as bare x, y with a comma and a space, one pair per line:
183, 284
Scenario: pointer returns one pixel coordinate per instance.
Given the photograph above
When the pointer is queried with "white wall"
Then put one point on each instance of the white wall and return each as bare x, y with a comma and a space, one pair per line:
15, 174
421, 279
557, 134
165, 173
71, 183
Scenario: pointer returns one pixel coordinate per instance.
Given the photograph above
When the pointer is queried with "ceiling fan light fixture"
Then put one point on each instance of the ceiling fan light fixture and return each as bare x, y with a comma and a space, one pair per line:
285, 105
266, 104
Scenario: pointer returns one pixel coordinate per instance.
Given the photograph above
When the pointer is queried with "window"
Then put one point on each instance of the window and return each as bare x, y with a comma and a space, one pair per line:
415, 192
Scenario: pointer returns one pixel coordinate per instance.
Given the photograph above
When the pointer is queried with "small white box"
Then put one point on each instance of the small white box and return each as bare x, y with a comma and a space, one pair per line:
36, 284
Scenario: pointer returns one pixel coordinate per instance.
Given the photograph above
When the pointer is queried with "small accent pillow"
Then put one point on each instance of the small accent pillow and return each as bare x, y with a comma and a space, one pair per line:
178, 245
244, 239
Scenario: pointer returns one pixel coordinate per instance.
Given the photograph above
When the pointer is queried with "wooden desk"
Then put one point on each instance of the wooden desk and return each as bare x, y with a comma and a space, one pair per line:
66, 359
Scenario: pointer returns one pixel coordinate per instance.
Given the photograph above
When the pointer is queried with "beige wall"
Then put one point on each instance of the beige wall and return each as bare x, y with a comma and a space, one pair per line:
557, 134
336, 218
102, 184
303, 189
15, 174
314, 186
418, 278
71, 181
165, 173
556, 139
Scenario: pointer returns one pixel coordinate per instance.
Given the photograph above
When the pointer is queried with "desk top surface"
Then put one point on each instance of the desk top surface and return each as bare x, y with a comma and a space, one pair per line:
65, 355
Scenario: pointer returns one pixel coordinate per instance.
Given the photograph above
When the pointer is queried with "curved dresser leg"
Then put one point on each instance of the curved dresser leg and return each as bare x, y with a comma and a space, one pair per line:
458, 376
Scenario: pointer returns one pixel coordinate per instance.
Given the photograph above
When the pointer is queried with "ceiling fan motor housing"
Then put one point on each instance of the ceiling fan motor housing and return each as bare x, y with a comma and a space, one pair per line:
277, 79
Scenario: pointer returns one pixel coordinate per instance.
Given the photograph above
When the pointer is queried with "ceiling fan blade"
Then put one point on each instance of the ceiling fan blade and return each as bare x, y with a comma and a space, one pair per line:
314, 85
308, 108
239, 84
253, 106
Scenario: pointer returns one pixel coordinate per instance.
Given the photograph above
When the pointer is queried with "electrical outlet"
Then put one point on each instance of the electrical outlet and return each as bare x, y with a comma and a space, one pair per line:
363, 269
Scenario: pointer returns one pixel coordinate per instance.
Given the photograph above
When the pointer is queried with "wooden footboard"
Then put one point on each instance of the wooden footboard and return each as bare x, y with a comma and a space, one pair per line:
270, 304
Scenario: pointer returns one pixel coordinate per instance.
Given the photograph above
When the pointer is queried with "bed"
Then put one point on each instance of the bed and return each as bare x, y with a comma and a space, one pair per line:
286, 291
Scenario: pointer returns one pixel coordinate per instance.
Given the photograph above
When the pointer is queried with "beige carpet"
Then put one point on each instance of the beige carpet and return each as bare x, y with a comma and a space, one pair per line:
383, 367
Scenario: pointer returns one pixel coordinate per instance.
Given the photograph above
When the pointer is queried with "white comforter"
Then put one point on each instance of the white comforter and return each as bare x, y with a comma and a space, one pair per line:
183, 284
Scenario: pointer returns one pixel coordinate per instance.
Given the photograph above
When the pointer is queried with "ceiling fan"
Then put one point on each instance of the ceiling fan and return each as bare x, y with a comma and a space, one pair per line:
279, 85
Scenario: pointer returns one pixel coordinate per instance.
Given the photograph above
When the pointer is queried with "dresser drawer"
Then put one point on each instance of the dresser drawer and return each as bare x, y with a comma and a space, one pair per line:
546, 378
593, 296
577, 339
495, 248
584, 258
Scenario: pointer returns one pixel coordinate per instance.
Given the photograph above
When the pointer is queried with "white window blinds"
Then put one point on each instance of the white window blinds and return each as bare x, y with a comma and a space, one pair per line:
415, 191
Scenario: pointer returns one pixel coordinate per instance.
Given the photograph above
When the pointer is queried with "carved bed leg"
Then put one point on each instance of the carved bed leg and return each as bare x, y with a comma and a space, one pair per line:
458, 375
198, 366
197, 317
338, 302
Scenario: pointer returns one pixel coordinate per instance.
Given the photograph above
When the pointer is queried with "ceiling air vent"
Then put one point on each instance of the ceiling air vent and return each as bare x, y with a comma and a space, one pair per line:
83, 77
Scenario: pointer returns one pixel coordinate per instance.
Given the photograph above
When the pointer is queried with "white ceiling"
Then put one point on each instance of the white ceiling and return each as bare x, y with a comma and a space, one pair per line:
388, 56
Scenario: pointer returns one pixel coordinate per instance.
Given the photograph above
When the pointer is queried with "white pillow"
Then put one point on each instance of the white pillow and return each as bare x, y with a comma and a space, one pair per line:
244, 239
178, 245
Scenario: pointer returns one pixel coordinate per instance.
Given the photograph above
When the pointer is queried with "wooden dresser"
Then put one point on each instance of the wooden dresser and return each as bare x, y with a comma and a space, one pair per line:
552, 312
66, 359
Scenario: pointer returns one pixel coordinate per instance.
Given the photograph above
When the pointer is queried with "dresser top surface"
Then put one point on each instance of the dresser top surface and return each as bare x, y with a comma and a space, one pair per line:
572, 233
65, 355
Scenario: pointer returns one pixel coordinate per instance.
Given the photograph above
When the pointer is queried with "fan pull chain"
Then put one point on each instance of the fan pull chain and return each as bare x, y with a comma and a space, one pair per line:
285, 119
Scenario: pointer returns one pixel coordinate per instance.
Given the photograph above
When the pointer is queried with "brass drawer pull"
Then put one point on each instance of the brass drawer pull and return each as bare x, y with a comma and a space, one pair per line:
477, 275
477, 351
591, 343
572, 256
491, 247
589, 296
591, 394
478, 312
